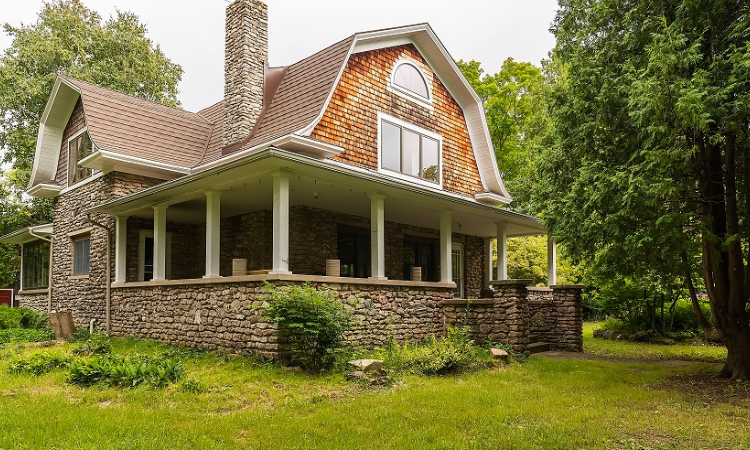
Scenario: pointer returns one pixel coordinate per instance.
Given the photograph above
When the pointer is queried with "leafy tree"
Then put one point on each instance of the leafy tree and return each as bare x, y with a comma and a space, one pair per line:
67, 39
651, 158
514, 106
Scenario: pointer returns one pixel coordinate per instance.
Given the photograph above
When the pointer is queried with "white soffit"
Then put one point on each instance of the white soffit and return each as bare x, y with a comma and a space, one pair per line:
27, 234
438, 58
109, 161
62, 101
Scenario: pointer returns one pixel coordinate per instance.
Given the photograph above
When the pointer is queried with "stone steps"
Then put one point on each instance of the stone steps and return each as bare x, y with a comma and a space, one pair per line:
539, 347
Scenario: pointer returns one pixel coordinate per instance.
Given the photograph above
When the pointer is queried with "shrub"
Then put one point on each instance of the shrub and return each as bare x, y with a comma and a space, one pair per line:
453, 353
21, 318
313, 321
38, 363
21, 335
131, 371
96, 344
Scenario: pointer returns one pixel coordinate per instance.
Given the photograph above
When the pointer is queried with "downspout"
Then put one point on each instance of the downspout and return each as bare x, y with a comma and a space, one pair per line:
108, 302
49, 269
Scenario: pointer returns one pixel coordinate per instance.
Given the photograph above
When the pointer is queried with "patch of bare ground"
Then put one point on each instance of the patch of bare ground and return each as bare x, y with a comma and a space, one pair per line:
709, 389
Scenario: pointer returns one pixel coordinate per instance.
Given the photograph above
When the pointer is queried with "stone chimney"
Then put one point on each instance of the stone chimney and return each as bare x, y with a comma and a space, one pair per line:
245, 52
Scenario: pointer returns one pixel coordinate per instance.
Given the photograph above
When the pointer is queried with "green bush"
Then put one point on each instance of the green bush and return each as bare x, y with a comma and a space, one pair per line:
21, 318
96, 344
131, 371
21, 335
313, 322
38, 363
454, 353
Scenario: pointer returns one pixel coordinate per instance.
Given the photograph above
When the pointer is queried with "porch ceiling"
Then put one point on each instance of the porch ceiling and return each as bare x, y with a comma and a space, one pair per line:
246, 186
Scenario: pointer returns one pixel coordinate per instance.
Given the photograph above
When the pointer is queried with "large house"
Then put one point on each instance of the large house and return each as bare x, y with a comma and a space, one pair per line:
348, 169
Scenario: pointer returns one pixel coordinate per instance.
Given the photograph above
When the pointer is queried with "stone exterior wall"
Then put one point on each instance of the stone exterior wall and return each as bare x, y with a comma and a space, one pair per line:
222, 315
35, 300
84, 295
556, 316
351, 118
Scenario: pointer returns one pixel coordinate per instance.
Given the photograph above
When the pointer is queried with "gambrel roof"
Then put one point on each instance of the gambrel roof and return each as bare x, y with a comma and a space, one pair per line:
169, 142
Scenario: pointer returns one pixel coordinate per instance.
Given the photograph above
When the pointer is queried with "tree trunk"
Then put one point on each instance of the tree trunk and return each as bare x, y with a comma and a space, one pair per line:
737, 341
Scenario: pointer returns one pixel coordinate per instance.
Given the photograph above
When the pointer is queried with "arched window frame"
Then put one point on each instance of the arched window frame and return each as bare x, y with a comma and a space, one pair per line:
409, 94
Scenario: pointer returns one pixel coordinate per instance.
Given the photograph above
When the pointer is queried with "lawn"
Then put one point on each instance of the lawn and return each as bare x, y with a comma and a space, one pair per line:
237, 402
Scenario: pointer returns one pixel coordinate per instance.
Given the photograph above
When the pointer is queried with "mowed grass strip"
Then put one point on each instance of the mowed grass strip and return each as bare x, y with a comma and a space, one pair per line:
541, 404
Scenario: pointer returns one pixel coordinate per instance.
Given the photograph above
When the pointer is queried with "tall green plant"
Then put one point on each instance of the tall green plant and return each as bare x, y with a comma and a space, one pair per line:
312, 320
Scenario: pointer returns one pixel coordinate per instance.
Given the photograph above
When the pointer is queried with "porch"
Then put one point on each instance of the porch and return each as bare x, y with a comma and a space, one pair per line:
287, 213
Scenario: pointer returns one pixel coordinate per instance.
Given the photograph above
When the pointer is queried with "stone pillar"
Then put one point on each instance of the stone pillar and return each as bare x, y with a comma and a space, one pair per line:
568, 312
160, 242
446, 247
511, 297
551, 262
377, 236
502, 251
213, 233
121, 248
280, 263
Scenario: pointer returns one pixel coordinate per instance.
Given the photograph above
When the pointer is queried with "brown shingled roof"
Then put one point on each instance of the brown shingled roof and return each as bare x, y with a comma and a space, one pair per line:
135, 127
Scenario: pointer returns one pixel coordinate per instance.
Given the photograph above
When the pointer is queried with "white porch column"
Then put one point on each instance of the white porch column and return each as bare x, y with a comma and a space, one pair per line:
121, 246
377, 236
446, 247
551, 262
502, 251
160, 242
487, 262
213, 228
280, 263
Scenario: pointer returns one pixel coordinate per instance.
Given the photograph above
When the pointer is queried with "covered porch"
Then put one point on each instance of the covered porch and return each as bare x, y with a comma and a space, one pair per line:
288, 214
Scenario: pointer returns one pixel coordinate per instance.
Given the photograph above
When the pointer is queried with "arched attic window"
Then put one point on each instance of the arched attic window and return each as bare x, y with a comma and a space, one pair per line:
409, 79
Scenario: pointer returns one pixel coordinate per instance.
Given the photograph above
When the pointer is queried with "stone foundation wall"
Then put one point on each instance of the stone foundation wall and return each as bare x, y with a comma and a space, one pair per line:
36, 301
223, 316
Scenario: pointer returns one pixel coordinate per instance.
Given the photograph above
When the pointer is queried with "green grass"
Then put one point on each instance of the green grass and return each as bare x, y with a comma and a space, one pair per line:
541, 404
681, 351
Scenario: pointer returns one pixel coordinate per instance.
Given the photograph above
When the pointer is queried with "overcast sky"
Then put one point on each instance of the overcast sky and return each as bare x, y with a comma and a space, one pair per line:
191, 32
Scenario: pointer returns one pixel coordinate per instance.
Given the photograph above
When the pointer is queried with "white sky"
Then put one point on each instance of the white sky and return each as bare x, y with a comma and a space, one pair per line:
191, 32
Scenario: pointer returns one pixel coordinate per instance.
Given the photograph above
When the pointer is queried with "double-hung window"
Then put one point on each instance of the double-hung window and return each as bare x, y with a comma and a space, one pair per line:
409, 150
81, 255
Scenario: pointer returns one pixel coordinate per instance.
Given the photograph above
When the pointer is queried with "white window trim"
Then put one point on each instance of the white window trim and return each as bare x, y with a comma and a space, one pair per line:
411, 127
142, 235
406, 93
94, 173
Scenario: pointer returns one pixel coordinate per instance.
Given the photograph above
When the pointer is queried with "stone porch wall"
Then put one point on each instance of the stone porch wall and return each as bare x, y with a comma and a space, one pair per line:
518, 315
556, 316
222, 315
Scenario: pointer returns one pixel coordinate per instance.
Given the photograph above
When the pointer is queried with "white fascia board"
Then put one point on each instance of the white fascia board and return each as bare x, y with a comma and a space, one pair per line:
45, 190
108, 161
60, 104
27, 234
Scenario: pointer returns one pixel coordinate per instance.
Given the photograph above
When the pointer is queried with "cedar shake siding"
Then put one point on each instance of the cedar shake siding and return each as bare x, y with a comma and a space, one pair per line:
76, 123
351, 119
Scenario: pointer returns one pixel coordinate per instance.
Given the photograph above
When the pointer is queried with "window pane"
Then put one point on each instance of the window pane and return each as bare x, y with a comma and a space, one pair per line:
81, 250
148, 258
409, 78
410, 153
430, 165
391, 147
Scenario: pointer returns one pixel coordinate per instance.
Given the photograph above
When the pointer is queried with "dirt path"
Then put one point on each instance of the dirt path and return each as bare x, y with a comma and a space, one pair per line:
620, 359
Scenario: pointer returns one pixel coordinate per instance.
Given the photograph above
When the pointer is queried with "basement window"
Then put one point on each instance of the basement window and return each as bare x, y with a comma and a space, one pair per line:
79, 147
